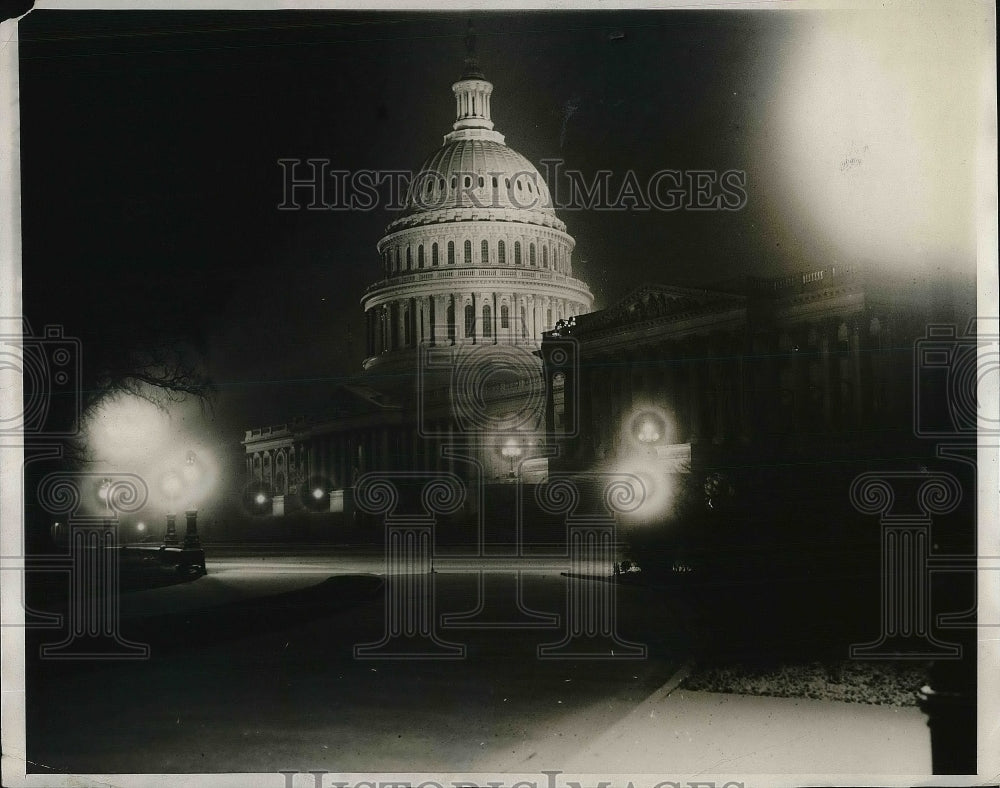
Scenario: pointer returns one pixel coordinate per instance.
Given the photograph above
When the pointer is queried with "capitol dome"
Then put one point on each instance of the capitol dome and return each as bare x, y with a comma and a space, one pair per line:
478, 255
479, 173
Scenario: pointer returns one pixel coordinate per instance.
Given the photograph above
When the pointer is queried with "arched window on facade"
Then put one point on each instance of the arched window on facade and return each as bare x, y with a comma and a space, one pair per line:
531, 254
501, 253
487, 321
504, 316
434, 253
484, 252
517, 252
470, 321
420, 256
468, 253
451, 253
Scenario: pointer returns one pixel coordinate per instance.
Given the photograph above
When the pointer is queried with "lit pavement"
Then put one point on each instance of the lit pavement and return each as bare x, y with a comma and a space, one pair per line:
238, 682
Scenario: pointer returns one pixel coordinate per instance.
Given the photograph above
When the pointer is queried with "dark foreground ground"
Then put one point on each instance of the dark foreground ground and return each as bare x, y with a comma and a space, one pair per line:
252, 667
268, 683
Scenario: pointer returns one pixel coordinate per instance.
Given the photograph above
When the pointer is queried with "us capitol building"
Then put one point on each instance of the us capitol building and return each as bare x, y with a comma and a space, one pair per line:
485, 357
474, 270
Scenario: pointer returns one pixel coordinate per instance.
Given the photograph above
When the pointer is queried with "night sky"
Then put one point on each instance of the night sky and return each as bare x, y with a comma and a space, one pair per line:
150, 143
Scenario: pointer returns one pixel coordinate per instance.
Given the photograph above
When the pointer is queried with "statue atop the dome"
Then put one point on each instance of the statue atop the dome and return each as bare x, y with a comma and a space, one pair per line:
472, 69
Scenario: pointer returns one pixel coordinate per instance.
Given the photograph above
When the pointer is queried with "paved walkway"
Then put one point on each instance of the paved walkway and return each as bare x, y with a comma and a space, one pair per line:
682, 731
674, 731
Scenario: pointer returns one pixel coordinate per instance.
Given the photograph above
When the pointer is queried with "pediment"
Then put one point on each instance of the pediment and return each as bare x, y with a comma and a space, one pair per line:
650, 302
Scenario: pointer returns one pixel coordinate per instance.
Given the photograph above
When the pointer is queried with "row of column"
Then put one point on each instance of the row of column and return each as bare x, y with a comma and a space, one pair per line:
442, 319
334, 461
470, 102
826, 375
520, 252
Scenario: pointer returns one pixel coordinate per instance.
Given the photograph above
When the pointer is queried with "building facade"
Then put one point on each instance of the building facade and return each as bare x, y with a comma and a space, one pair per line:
766, 368
472, 273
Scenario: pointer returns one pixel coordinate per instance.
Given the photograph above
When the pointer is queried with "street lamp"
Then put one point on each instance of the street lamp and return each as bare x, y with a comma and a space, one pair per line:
648, 433
190, 469
104, 493
172, 488
512, 451
191, 475
261, 499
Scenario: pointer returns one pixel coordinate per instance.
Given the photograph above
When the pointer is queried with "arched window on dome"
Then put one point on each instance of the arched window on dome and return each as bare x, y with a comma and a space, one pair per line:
434, 253
484, 252
451, 253
467, 257
545, 256
470, 321
531, 254
420, 256
451, 321
399, 260
407, 328
524, 323
504, 316
501, 253
409, 258
517, 252
487, 321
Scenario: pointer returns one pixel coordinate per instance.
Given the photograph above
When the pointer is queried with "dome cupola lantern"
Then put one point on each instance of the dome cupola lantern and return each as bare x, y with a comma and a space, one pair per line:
472, 100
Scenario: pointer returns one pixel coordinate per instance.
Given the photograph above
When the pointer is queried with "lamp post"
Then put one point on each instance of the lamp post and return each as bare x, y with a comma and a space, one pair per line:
648, 432
103, 493
191, 539
186, 554
512, 451
172, 488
